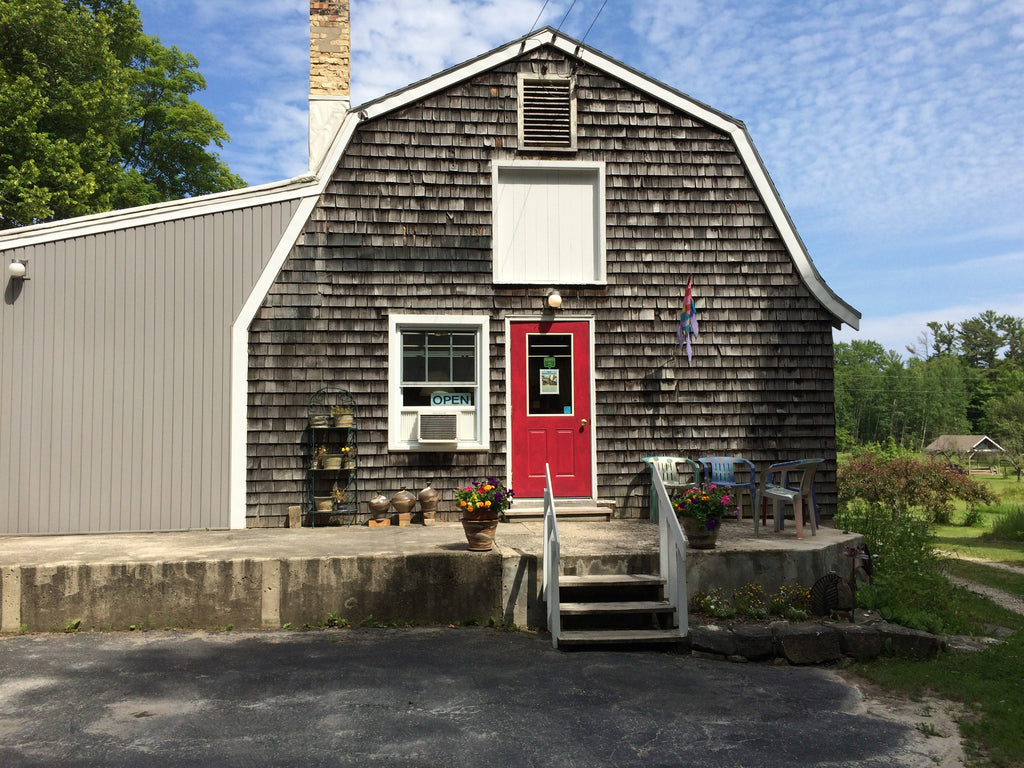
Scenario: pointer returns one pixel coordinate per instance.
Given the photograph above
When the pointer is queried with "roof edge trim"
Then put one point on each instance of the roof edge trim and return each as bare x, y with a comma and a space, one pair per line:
245, 197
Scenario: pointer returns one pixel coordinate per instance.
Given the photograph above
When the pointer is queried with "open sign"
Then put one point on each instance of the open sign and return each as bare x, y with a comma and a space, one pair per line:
449, 399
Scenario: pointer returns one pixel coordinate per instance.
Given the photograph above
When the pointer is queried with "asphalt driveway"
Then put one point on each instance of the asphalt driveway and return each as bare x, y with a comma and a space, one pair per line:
418, 697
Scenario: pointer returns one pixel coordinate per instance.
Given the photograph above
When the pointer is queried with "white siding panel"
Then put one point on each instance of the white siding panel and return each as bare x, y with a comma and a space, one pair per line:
114, 374
548, 223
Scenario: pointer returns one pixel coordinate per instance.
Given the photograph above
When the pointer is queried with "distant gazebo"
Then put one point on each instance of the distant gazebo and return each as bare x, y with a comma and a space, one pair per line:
964, 445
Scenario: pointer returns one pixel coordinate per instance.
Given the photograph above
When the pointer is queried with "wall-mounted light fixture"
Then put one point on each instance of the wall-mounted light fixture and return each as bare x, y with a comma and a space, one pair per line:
554, 300
18, 269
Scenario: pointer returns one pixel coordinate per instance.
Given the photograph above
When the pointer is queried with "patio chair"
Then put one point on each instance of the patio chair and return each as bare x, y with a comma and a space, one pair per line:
730, 472
780, 484
669, 467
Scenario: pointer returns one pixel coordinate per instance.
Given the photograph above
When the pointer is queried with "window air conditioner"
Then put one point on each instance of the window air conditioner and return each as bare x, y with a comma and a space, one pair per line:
438, 428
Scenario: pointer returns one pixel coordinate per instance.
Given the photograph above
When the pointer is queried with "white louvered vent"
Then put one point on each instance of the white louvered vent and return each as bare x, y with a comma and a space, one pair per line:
547, 119
438, 428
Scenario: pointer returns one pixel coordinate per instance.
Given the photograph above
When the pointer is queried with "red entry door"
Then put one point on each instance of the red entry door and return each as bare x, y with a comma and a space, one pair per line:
550, 407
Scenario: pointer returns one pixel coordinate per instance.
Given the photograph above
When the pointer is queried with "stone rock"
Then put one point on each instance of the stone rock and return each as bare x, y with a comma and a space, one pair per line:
808, 643
910, 643
861, 642
754, 642
712, 638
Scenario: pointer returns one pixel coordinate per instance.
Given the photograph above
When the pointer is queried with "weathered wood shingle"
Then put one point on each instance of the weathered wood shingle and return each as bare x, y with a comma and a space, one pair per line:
405, 226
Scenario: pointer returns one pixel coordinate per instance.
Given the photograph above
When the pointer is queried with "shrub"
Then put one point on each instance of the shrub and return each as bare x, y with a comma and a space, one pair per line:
904, 483
1010, 526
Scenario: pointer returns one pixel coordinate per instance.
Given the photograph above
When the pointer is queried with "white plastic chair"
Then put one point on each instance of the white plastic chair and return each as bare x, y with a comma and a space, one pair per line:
668, 467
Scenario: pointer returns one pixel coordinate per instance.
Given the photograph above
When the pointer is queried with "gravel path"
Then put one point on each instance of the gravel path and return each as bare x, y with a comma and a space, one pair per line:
997, 596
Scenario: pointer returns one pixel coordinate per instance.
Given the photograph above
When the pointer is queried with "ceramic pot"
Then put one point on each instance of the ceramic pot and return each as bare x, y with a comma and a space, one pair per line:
697, 534
403, 502
379, 505
428, 504
480, 534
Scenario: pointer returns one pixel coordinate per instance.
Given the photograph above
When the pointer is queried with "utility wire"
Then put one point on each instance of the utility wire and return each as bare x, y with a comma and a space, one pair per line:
538, 17
593, 22
562, 22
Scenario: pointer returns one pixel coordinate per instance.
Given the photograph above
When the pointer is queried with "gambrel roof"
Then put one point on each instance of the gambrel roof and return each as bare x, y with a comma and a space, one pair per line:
735, 129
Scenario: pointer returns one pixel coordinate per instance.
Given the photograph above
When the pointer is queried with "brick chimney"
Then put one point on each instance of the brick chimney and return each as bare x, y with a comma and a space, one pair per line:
329, 64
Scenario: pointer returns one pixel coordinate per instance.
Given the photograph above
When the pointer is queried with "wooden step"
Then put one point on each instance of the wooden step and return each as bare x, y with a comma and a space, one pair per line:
633, 606
612, 580
618, 636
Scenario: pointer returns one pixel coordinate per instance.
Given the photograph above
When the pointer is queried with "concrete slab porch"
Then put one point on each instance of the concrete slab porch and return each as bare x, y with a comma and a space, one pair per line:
266, 578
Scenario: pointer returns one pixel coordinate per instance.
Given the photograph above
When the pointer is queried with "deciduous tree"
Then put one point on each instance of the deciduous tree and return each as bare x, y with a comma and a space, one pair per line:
94, 114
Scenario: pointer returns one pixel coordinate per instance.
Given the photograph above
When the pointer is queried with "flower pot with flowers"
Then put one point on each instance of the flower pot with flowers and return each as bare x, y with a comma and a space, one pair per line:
482, 505
700, 510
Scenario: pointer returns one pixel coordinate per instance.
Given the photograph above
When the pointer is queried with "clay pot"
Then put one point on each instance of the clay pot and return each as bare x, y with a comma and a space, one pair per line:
697, 534
428, 504
403, 502
379, 505
480, 534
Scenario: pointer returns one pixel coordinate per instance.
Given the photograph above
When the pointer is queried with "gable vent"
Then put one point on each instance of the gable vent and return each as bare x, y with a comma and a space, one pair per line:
547, 115
438, 428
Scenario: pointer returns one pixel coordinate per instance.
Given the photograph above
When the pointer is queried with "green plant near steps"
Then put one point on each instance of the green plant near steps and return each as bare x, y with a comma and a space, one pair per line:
791, 601
712, 603
73, 626
334, 621
749, 601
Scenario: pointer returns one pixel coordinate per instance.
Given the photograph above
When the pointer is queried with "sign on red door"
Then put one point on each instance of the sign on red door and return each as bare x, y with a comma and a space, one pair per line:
550, 408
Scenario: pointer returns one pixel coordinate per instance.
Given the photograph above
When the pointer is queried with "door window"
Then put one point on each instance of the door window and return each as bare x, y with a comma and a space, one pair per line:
549, 374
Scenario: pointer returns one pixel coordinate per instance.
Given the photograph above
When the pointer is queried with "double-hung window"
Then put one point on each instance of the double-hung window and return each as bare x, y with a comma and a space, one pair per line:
438, 375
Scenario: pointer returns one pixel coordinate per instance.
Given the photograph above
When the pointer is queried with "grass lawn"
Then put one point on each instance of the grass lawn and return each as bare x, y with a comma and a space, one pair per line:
988, 683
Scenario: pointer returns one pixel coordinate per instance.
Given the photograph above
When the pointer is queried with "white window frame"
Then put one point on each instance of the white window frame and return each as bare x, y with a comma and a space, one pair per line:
478, 324
500, 238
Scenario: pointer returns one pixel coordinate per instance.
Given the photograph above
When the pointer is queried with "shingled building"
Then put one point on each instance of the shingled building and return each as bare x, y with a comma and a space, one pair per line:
491, 263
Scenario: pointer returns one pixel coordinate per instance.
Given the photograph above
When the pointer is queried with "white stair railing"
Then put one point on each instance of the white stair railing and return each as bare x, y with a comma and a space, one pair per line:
672, 554
552, 554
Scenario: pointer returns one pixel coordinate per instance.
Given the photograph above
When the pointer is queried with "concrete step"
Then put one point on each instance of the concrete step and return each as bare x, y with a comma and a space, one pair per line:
533, 509
620, 636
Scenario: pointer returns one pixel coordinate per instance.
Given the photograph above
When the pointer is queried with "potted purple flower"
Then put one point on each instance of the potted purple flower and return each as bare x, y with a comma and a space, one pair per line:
700, 510
482, 504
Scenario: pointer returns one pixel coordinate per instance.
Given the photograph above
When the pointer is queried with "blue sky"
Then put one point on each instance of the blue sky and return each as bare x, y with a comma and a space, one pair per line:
894, 131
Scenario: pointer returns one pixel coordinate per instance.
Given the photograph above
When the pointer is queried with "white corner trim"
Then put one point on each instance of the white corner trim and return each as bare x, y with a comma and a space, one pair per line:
239, 398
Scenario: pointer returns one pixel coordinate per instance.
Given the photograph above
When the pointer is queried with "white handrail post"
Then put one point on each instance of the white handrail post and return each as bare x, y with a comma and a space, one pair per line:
551, 557
672, 553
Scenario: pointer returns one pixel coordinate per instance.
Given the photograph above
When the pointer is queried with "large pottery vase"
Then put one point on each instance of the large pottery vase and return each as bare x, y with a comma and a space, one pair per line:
697, 534
379, 505
480, 534
428, 504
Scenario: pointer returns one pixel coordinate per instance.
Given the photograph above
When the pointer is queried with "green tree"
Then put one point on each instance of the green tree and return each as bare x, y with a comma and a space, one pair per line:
1004, 416
94, 114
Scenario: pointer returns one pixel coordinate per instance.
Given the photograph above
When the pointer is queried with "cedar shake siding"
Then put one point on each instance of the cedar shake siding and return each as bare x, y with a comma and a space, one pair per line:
404, 226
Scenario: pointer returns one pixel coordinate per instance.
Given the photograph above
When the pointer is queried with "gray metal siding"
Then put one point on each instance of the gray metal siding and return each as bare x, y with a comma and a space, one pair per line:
115, 374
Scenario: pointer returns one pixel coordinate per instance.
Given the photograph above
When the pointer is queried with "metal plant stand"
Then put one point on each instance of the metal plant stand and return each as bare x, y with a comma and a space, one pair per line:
333, 484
